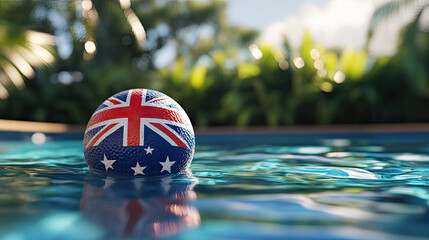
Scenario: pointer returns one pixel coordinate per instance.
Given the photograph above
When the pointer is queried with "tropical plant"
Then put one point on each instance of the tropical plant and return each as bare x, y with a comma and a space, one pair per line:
217, 72
412, 42
391, 9
21, 48
106, 55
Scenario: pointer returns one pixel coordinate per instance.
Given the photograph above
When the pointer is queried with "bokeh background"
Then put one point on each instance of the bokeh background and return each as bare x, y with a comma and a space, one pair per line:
228, 63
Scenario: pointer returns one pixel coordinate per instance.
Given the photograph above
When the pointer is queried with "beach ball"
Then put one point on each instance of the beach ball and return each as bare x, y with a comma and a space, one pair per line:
139, 132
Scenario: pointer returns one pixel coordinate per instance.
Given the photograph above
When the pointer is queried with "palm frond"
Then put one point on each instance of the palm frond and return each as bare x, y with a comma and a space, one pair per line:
386, 11
18, 59
414, 65
134, 22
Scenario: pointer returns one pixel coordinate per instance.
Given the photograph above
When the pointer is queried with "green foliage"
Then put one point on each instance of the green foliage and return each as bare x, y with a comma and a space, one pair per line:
386, 11
219, 75
20, 49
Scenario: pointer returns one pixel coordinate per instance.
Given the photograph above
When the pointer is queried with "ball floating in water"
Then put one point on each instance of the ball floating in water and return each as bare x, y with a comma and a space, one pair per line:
139, 132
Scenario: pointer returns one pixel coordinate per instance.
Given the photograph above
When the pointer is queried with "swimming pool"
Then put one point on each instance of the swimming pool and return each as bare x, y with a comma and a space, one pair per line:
242, 186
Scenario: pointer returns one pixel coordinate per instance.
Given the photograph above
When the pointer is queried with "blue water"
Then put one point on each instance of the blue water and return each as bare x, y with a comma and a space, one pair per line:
307, 186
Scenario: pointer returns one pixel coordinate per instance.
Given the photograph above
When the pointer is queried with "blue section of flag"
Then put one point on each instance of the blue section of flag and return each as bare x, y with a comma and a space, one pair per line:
128, 156
101, 107
187, 135
121, 96
153, 95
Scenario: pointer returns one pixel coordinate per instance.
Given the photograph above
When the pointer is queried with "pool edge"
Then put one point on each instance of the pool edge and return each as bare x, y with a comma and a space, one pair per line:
27, 126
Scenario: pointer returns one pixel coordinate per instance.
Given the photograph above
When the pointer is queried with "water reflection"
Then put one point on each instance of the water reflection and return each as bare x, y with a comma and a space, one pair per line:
153, 207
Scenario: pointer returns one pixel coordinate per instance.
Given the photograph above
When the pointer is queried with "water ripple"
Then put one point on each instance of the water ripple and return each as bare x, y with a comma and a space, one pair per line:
376, 189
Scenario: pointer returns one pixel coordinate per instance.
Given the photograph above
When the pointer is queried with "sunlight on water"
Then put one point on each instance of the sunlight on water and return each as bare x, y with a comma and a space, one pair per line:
317, 188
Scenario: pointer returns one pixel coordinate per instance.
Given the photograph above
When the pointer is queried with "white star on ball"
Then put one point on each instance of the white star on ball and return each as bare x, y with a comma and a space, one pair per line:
149, 150
138, 169
108, 163
166, 166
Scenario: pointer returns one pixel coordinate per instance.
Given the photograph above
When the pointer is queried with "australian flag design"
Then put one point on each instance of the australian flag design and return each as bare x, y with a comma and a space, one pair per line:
139, 132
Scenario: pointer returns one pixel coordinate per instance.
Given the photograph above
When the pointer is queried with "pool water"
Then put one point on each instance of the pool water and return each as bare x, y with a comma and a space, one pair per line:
303, 186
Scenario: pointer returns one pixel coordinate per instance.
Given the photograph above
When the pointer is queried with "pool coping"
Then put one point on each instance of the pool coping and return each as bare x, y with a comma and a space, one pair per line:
319, 129
27, 126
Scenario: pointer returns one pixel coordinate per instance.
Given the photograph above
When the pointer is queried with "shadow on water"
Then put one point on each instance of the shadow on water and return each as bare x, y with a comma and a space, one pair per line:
152, 207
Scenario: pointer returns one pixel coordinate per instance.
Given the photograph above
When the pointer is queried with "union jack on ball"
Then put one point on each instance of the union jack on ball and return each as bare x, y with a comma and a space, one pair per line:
139, 132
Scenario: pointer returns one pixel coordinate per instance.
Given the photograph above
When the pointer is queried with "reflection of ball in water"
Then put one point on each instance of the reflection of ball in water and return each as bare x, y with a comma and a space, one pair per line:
139, 132
140, 207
